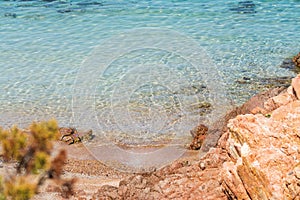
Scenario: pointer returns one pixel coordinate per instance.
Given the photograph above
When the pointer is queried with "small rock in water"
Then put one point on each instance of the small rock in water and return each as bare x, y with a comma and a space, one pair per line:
244, 7
287, 64
244, 80
64, 10
199, 134
296, 60
199, 130
292, 64
13, 15
95, 3
70, 135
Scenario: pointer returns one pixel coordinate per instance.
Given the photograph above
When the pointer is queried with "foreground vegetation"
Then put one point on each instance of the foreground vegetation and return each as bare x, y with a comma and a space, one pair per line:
30, 151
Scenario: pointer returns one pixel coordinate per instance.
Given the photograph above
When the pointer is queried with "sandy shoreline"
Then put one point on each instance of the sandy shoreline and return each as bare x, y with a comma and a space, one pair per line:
90, 173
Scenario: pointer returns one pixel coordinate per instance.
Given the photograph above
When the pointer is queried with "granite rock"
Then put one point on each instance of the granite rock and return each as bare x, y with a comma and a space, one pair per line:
263, 152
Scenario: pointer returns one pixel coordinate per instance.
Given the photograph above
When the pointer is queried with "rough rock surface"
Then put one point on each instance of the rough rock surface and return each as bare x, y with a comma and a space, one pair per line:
184, 179
296, 86
264, 152
254, 105
199, 135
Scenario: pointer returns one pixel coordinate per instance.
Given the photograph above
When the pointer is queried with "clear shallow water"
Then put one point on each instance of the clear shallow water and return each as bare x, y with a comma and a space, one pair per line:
44, 43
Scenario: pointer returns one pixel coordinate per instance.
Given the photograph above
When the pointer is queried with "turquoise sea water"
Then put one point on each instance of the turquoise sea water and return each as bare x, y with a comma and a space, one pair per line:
44, 43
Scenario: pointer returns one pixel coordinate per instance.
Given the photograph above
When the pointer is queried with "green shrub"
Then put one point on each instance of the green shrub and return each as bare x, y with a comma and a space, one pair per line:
43, 134
14, 142
41, 162
2, 196
19, 188
31, 149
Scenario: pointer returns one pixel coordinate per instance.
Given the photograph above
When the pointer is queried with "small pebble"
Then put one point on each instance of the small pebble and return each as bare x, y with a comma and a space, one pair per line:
202, 165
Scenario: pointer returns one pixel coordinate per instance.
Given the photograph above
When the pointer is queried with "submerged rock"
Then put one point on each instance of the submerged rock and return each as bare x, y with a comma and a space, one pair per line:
296, 60
288, 63
244, 7
93, 3
292, 64
263, 83
13, 15
67, 10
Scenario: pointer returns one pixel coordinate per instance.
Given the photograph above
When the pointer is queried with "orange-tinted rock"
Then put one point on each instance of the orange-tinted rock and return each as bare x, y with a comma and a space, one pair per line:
232, 184
70, 135
107, 192
296, 85
199, 130
292, 181
279, 100
199, 135
256, 103
263, 152
253, 105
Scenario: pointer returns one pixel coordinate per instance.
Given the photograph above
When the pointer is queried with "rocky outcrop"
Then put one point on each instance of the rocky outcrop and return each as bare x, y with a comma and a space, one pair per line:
260, 161
256, 104
264, 151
